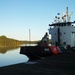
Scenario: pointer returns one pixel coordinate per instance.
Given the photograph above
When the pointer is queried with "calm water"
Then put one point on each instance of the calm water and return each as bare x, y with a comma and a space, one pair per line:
9, 56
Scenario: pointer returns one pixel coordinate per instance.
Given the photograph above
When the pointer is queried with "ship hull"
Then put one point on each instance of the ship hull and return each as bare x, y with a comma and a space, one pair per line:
39, 52
36, 52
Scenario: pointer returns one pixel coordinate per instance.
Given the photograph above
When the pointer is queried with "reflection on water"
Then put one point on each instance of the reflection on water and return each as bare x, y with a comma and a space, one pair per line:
11, 55
5, 49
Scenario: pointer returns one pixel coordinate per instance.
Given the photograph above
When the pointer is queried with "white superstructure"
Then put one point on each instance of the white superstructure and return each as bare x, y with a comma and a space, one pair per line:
63, 31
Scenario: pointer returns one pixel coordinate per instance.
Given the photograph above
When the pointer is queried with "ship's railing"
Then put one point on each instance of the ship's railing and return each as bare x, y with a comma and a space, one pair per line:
62, 24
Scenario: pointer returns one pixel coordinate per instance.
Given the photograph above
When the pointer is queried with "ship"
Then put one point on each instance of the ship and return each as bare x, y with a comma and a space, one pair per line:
62, 32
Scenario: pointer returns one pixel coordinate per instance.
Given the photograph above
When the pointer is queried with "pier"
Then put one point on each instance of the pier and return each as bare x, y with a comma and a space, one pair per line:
62, 64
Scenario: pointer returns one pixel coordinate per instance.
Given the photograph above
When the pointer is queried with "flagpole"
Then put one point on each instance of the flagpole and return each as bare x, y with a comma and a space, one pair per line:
29, 36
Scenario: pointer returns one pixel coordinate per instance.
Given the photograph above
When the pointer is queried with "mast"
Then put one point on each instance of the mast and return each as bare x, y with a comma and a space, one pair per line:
67, 14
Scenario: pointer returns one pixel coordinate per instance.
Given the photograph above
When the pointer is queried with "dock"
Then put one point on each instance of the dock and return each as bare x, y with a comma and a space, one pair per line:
62, 64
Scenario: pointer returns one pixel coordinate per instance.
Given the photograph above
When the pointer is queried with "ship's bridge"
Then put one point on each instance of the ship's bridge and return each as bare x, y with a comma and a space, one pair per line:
62, 24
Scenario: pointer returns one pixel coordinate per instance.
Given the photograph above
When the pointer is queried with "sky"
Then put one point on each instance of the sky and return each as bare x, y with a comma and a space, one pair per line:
18, 16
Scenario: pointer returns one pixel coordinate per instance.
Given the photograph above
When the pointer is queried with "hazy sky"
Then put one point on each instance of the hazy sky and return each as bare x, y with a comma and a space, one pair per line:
18, 16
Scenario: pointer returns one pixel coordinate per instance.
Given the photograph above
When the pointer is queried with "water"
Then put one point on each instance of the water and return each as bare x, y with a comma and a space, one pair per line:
10, 56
